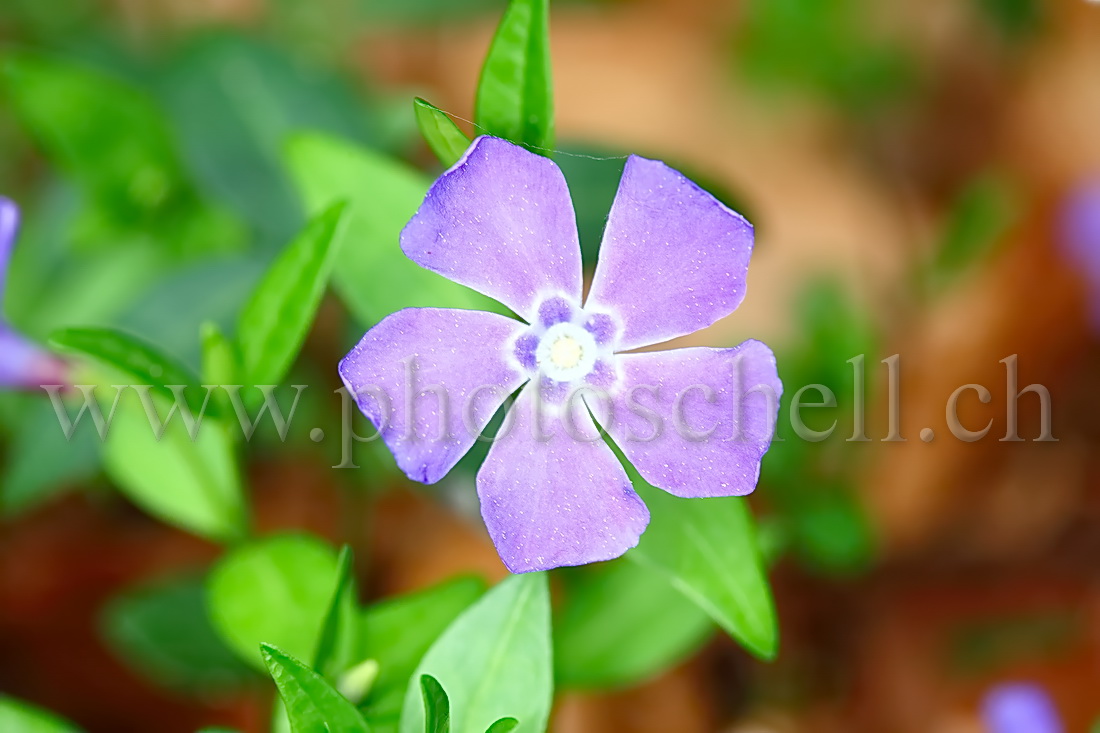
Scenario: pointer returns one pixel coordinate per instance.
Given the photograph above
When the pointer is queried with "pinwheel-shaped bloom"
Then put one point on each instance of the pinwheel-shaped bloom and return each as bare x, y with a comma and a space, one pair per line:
22, 364
1020, 708
693, 421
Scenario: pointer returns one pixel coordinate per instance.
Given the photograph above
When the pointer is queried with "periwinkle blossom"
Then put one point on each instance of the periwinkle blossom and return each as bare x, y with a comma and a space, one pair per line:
22, 364
1020, 707
1079, 237
693, 421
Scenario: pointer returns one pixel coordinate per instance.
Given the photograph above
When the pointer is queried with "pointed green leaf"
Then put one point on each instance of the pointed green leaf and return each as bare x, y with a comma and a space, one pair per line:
336, 642
504, 725
494, 661
606, 610
399, 631
188, 478
437, 708
274, 323
279, 589
708, 550
220, 364
312, 704
17, 716
134, 358
515, 98
372, 276
440, 132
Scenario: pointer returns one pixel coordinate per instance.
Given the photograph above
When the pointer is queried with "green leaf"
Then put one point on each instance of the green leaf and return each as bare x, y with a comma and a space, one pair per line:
312, 704
134, 358
372, 276
274, 323
515, 97
978, 219
221, 365
192, 483
17, 716
440, 132
163, 632
494, 660
398, 632
335, 641
233, 101
608, 610
108, 135
504, 725
707, 549
437, 708
277, 589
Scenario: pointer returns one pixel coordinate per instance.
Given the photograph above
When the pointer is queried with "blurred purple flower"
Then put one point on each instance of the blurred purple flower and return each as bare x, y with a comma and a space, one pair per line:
1019, 708
673, 261
22, 364
1080, 240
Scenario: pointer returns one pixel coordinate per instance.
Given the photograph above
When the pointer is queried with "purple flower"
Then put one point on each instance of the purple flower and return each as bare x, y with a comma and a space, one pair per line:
1019, 708
694, 421
1080, 240
22, 364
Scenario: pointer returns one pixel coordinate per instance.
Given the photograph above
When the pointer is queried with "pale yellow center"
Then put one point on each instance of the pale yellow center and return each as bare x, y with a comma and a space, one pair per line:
566, 352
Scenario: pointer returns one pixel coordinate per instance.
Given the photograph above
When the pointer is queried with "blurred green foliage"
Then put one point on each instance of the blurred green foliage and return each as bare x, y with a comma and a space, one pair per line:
977, 220
828, 47
20, 717
161, 629
812, 484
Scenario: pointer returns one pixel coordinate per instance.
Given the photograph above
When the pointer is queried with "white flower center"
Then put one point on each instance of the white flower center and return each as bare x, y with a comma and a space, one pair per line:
566, 352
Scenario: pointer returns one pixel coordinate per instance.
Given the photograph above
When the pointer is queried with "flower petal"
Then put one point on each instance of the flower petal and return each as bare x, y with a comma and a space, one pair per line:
9, 227
24, 365
554, 494
673, 259
501, 222
695, 422
430, 379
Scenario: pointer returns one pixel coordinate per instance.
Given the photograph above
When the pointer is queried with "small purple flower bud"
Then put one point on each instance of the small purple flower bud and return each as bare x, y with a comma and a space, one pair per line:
1079, 239
1020, 708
